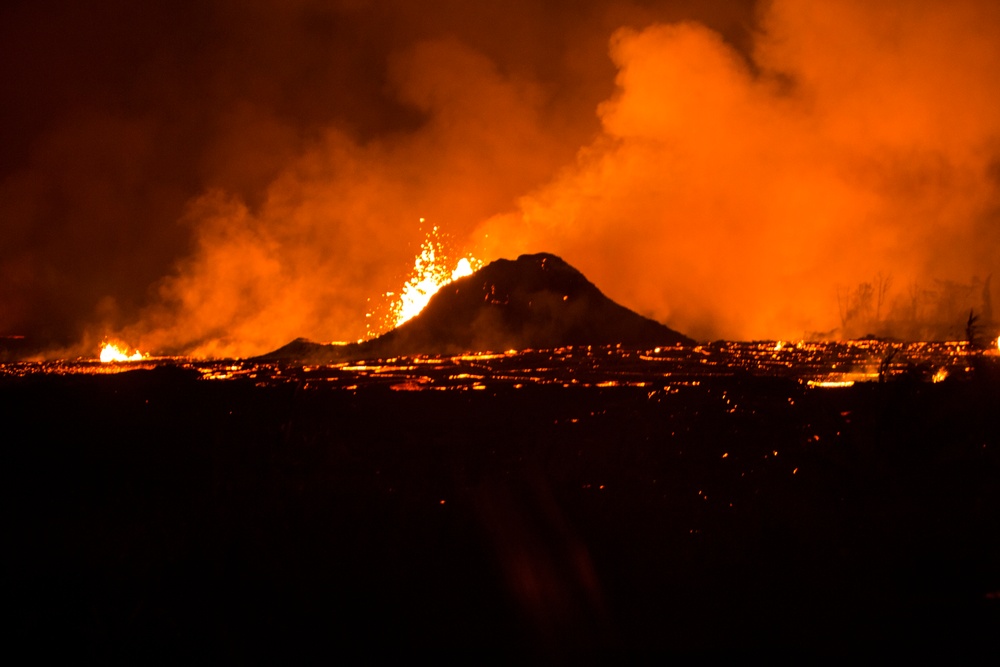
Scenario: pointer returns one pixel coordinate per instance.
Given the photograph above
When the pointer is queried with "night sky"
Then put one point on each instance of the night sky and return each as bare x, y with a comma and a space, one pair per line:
220, 177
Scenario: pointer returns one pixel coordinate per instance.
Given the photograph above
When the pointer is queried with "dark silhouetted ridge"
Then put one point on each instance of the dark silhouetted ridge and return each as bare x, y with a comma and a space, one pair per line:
536, 301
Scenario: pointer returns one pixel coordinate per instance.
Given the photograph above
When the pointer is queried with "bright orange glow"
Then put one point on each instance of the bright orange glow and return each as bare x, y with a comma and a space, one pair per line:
116, 353
789, 163
430, 273
826, 384
819, 171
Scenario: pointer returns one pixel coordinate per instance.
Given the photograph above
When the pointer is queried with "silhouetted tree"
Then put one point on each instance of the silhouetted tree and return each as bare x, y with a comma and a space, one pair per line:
886, 364
882, 285
972, 330
856, 306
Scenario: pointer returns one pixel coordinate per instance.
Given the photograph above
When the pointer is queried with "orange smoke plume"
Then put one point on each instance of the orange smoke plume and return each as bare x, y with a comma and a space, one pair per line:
729, 196
729, 192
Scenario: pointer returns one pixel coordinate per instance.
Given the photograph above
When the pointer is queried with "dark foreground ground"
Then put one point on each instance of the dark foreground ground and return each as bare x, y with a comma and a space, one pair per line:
152, 516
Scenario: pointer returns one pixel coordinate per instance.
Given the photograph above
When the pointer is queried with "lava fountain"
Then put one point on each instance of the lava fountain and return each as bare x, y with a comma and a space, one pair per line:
429, 274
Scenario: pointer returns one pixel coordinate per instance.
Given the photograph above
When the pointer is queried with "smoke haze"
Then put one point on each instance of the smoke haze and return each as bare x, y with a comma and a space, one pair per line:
221, 180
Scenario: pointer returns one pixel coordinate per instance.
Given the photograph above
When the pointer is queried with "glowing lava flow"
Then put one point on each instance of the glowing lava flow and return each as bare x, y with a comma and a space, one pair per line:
430, 274
111, 352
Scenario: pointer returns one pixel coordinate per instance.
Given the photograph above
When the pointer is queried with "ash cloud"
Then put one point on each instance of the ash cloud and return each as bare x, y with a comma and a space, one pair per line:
219, 180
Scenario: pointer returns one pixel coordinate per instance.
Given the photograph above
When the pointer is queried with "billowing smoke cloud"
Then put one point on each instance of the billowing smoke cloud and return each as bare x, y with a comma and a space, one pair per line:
149, 147
221, 182
341, 223
730, 196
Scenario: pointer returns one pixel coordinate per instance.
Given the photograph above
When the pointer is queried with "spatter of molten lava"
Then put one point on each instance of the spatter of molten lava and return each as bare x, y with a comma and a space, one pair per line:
112, 352
430, 273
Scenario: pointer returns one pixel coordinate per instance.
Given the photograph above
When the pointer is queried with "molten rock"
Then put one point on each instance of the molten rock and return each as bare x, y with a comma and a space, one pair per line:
536, 301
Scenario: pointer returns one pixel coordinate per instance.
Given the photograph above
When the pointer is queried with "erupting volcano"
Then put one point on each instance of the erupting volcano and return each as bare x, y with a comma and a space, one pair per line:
499, 458
535, 301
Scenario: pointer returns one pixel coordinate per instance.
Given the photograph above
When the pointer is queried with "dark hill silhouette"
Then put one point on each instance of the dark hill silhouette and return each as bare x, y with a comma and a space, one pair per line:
536, 301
